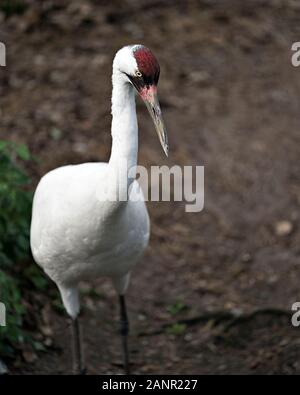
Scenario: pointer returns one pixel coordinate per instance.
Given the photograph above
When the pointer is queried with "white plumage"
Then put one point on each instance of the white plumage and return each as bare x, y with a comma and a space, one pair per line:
75, 234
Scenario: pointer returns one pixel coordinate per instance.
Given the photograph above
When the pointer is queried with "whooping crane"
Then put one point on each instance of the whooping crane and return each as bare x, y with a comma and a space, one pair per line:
77, 236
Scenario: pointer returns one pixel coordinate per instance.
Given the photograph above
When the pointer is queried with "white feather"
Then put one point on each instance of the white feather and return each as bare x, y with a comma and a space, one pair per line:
75, 235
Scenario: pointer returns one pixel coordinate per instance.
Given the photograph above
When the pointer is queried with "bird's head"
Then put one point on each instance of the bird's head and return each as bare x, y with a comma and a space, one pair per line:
141, 69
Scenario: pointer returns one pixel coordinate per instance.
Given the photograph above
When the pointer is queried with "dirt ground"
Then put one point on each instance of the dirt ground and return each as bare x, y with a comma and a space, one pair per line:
230, 99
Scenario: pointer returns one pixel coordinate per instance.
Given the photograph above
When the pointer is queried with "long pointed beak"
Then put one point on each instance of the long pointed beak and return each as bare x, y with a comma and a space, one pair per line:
149, 96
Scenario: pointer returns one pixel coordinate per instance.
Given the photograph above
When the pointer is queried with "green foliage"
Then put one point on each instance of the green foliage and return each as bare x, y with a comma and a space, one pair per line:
15, 211
176, 307
13, 7
33, 274
11, 334
15, 204
176, 329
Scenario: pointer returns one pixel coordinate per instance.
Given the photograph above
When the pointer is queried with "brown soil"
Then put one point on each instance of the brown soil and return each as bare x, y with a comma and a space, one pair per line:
230, 100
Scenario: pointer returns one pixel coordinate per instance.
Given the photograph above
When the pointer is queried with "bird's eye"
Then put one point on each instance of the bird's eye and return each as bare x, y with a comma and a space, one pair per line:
138, 74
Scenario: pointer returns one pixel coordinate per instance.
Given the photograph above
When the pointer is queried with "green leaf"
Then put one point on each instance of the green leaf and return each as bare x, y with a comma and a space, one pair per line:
23, 152
3, 145
15, 214
176, 329
176, 308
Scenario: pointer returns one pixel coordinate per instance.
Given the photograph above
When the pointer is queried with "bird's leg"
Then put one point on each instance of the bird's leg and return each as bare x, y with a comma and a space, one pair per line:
78, 368
124, 330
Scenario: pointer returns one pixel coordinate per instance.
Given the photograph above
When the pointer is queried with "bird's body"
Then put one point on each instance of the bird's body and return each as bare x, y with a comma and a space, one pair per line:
76, 236
81, 229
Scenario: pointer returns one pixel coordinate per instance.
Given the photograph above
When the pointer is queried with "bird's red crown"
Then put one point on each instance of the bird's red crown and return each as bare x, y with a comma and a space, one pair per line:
146, 61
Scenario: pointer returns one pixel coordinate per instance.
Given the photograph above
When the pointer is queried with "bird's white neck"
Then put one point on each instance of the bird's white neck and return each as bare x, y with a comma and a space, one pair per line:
124, 128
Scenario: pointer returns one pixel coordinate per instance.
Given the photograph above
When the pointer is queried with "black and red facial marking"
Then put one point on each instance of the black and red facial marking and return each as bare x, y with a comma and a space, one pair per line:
147, 64
148, 67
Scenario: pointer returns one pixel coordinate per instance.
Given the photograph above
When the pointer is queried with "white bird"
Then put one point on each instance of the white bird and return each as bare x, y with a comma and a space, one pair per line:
78, 231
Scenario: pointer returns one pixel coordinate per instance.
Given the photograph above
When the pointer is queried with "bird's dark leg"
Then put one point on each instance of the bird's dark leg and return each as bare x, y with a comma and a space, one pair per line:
124, 330
78, 367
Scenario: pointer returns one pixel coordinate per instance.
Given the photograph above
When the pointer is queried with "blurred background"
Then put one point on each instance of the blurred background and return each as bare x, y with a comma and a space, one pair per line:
213, 293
